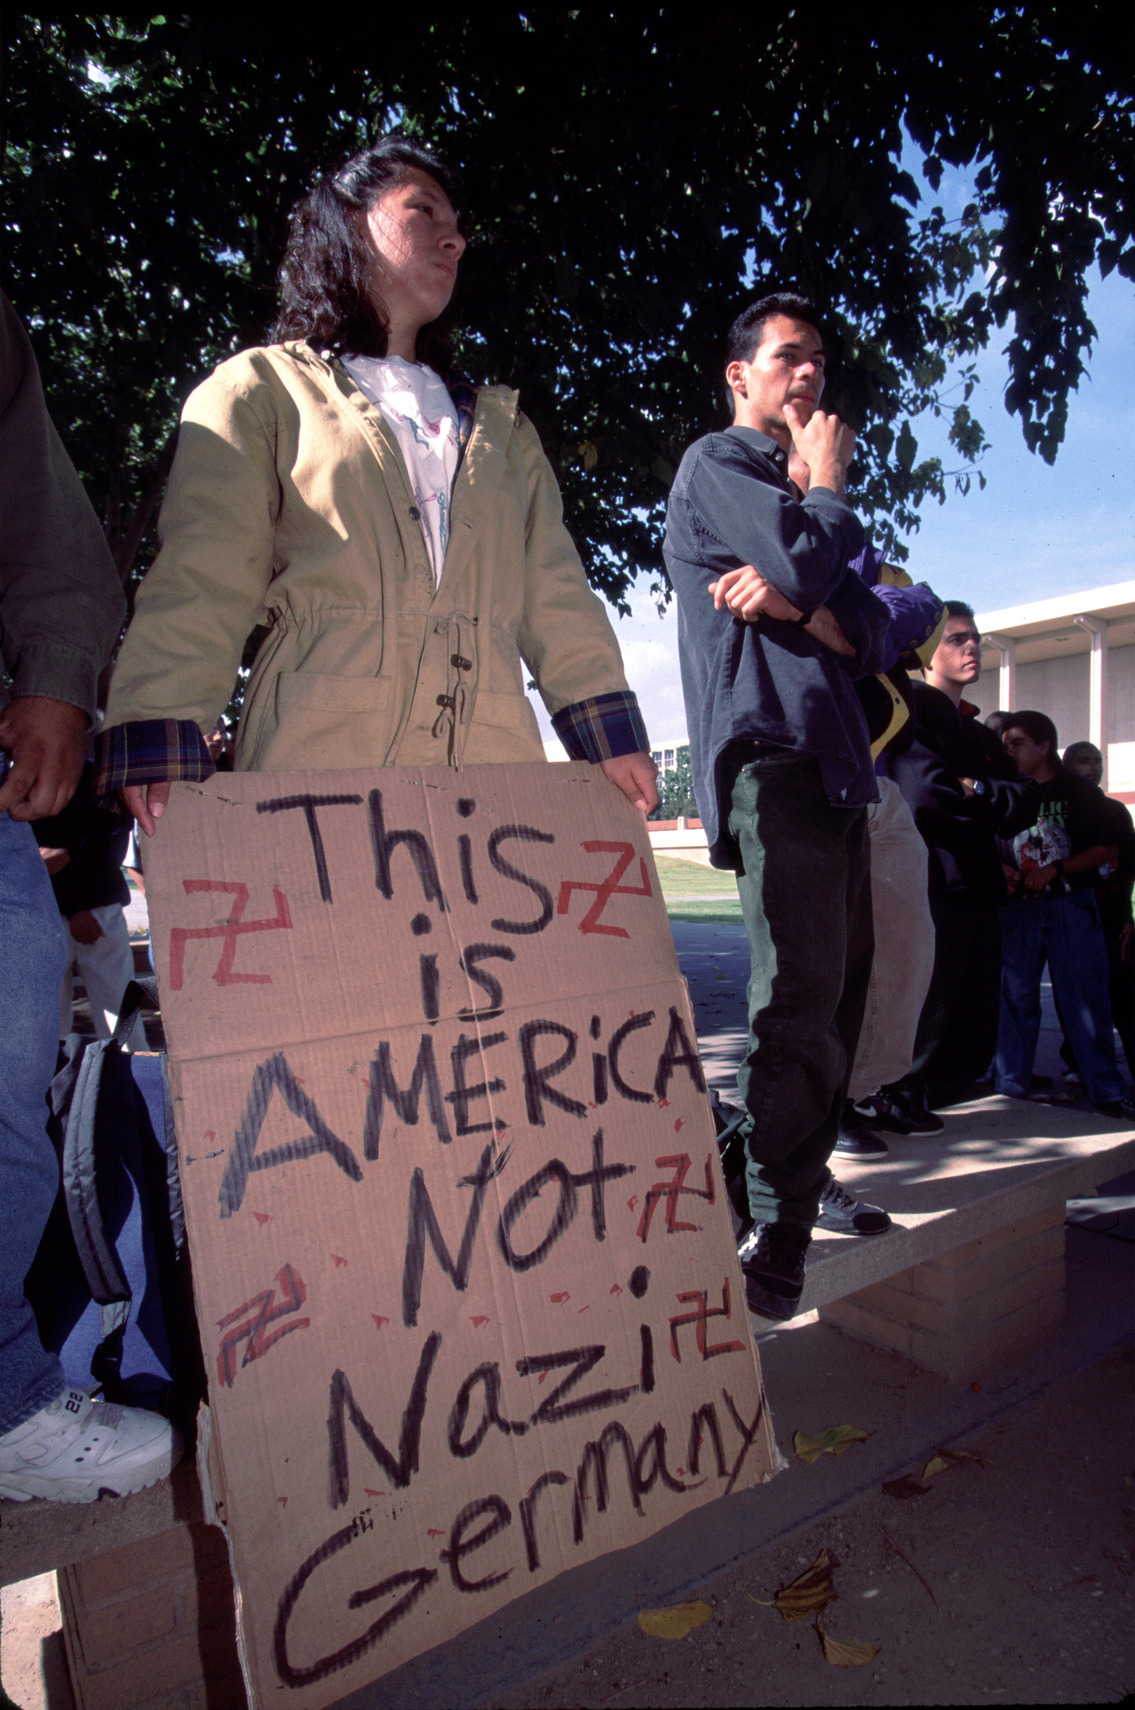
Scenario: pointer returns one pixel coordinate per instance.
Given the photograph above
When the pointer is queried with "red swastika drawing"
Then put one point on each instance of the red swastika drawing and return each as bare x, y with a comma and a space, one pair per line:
670, 1192
699, 1318
609, 888
254, 1317
230, 930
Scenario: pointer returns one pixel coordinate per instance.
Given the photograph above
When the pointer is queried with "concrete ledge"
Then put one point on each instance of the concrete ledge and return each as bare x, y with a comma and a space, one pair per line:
1000, 1163
37, 1536
952, 1356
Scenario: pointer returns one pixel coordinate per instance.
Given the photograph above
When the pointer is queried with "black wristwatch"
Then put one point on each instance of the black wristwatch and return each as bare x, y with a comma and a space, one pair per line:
802, 621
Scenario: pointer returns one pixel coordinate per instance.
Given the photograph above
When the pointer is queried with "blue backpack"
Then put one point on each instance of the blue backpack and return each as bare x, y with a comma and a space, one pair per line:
110, 1285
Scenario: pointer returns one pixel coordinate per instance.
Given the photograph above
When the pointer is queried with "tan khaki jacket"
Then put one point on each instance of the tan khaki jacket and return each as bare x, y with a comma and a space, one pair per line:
289, 504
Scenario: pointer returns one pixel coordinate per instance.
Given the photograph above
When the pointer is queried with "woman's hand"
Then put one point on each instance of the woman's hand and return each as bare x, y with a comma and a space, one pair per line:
635, 775
145, 803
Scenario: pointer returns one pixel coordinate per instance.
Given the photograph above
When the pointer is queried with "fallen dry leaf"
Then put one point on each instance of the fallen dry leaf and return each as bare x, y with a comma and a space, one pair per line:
943, 1459
806, 1595
906, 1486
676, 1621
834, 1440
846, 1653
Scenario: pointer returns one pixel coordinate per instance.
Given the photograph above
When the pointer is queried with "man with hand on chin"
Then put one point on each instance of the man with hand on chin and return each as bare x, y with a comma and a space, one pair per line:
773, 632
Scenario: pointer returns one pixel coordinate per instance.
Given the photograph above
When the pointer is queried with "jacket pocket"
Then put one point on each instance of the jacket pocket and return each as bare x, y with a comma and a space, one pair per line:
323, 722
503, 729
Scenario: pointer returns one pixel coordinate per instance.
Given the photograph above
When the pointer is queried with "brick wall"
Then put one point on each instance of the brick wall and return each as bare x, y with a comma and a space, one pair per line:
956, 1313
151, 1626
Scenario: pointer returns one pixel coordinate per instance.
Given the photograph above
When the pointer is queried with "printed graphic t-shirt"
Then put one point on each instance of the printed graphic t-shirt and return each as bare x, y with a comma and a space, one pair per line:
1068, 821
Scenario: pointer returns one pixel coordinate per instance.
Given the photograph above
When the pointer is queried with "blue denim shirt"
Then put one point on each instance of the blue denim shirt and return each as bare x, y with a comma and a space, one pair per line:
732, 504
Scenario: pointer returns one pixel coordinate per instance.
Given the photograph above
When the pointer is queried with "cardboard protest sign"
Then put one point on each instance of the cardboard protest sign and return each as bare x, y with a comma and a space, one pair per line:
464, 1268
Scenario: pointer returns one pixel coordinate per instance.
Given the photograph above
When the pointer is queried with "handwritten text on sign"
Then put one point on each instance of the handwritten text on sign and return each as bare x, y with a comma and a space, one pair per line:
464, 1269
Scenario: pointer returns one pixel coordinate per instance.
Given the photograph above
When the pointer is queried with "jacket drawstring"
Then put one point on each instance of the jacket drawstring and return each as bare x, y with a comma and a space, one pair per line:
460, 682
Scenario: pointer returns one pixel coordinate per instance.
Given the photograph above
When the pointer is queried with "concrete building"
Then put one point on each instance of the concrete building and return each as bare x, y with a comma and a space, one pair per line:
1073, 658
668, 755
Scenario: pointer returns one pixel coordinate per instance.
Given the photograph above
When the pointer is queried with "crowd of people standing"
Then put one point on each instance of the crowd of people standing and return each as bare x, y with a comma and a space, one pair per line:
1030, 864
904, 873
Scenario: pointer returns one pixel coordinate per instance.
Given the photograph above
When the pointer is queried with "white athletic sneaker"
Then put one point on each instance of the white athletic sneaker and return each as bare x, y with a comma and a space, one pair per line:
77, 1450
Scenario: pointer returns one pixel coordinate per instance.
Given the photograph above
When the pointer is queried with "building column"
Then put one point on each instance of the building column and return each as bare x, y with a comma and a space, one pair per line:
1007, 682
1097, 689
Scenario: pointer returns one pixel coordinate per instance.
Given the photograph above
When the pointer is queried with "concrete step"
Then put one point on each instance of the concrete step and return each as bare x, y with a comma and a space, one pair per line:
998, 1163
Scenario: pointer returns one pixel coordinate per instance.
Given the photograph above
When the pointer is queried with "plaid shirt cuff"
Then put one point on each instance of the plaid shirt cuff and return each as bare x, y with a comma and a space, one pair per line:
602, 728
150, 751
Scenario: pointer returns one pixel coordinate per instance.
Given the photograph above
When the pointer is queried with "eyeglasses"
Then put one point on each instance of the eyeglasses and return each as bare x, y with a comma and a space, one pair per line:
961, 638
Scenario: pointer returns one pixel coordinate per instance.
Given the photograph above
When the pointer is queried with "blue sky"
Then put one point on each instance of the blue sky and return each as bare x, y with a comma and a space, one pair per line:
1035, 531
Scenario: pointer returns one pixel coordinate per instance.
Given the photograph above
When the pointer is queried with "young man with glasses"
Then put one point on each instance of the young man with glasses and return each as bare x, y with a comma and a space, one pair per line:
963, 790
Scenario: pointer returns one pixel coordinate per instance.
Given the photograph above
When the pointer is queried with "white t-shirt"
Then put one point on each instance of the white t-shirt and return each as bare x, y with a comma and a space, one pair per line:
420, 413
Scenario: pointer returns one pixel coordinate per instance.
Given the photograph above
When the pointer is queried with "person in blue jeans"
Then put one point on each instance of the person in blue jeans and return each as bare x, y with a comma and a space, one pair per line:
61, 605
1052, 867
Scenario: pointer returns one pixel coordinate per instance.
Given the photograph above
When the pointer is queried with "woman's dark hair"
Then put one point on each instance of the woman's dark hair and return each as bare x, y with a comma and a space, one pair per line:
326, 278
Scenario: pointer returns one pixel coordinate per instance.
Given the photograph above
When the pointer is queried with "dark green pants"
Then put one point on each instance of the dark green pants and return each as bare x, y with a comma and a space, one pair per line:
806, 900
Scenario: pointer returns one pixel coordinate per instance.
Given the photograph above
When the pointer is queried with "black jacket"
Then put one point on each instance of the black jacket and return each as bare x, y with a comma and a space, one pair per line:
96, 841
960, 831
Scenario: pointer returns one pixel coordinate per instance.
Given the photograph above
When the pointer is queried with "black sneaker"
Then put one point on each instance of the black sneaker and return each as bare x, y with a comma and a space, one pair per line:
907, 1105
1122, 1109
856, 1139
842, 1215
772, 1260
878, 1110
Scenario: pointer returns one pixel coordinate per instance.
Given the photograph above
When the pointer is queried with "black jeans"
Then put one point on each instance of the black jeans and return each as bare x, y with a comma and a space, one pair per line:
957, 1030
806, 900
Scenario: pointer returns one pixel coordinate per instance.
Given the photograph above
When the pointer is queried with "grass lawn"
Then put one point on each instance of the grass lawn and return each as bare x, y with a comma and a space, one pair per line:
723, 913
705, 893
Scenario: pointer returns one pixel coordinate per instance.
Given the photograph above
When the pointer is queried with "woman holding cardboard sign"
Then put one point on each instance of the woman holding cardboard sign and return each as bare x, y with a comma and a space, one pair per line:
401, 535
